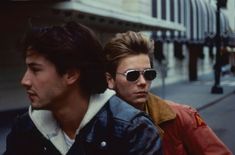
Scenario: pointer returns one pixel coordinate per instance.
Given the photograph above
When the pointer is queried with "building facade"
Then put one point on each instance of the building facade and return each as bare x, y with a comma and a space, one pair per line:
182, 25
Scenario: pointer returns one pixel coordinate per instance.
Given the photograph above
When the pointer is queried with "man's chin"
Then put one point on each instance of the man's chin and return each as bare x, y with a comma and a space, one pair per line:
141, 100
139, 103
37, 106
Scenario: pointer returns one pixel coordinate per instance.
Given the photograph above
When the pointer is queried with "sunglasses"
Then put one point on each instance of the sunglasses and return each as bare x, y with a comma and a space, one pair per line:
133, 75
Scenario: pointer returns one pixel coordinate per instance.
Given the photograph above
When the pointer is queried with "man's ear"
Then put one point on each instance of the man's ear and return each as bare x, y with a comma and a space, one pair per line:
110, 80
72, 76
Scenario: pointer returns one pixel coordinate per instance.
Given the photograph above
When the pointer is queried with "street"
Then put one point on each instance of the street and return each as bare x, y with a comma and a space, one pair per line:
220, 117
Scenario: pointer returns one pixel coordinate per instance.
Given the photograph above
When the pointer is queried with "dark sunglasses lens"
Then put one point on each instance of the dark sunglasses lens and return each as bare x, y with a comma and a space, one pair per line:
132, 75
150, 75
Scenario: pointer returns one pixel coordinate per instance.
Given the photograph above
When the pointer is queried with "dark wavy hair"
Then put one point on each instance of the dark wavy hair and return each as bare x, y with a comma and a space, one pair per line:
71, 46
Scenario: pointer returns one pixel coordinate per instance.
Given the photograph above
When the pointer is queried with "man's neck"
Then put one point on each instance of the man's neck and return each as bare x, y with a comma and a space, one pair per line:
71, 114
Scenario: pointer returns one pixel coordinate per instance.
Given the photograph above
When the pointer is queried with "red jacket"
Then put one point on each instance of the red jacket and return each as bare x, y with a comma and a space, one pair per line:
184, 131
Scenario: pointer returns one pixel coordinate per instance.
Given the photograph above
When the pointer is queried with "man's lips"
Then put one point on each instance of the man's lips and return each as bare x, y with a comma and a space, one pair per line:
31, 94
141, 93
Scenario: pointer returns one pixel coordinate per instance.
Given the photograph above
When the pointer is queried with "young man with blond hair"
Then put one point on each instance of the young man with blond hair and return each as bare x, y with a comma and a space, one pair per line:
130, 72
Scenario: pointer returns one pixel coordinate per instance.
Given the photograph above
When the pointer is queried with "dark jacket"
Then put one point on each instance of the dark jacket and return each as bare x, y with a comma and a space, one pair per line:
117, 129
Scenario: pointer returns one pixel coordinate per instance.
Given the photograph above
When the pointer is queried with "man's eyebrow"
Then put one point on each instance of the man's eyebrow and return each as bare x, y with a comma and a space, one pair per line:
33, 64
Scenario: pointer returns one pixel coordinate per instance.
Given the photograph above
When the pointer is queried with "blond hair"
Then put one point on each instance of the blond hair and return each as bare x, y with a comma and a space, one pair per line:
124, 45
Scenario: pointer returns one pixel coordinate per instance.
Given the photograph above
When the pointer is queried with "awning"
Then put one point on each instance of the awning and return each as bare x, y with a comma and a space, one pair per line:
191, 13
183, 6
193, 21
211, 27
171, 11
211, 21
202, 20
224, 25
231, 39
198, 17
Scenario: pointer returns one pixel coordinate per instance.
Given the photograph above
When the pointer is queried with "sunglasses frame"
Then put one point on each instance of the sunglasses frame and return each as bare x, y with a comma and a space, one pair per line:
139, 73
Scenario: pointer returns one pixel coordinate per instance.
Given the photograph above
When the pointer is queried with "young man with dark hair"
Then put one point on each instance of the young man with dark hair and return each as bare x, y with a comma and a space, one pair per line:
71, 111
130, 72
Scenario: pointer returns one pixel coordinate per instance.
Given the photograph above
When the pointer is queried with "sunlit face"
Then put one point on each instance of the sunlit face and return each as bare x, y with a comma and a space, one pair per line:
134, 92
43, 84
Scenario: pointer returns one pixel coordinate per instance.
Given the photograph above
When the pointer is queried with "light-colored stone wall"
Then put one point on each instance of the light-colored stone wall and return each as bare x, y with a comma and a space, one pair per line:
143, 7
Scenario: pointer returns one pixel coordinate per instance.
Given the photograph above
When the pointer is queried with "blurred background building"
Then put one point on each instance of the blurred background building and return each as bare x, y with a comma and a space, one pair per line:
183, 30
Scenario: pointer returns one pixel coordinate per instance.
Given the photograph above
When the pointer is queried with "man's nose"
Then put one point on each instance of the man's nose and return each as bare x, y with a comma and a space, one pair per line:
25, 81
142, 80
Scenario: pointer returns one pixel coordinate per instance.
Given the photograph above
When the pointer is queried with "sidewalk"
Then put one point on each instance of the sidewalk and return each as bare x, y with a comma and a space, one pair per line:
196, 94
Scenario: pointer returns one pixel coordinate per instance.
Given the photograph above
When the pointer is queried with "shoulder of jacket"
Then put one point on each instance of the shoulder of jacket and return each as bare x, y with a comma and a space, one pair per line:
181, 108
116, 118
121, 110
186, 115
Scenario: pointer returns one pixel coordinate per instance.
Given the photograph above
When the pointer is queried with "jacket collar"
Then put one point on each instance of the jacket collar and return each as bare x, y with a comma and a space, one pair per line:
48, 126
158, 109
